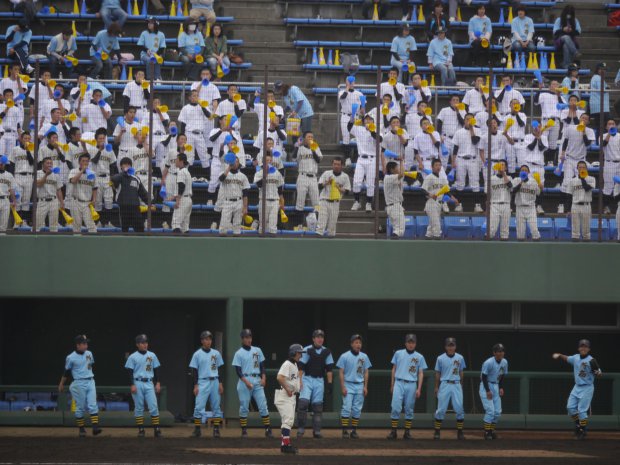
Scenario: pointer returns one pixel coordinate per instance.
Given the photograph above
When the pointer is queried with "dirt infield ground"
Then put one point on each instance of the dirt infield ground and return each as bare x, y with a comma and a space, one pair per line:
119, 445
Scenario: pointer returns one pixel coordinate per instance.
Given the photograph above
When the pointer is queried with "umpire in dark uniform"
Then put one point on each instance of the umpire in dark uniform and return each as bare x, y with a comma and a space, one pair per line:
130, 191
315, 365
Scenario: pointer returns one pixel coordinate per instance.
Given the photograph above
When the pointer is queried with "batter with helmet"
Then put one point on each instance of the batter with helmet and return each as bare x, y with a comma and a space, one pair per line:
494, 370
286, 396
205, 365
315, 364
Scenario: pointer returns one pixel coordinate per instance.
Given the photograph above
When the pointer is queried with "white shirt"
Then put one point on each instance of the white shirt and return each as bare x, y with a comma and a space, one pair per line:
49, 104
183, 177
12, 117
274, 181
386, 88
226, 107
425, 147
278, 144
413, 123
92, 118
290, 372
259, 108
51, 185
209, 93
139, 159
342, 180
498, 146
536, 156
127, 139
7, 183
60, 130
526, 195
306, 162
19, 158
516, 131
135, 92
612, 149
352, 97
392, 142
45, 93
572, 122
576, 149
433, 184
45, 151
450, 121
503, 106
462, 140
194, 117
232, 186
473, 99
366, 144
413, 95
548, 102
576, 189
158, 126
392, 189
84, 188
103, 166
500, 189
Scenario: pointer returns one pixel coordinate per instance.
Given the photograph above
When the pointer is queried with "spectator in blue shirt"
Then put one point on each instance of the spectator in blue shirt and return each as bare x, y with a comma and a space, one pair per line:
571, 80
522, 29
106, 41
111, 11
566, 29
152, 41
368, 8
60, 46
191, 45
296, 104
596, 84
479, 32
17, 42
403, 46
440, 55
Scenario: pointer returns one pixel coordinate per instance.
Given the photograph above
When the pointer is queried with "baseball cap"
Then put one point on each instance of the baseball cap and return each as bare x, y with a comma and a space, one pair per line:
81, 338
278, 84
410, 338
246, 333
441, 29
450, 341
317, 333
355, 337
499, 348
141, 338
206, 334
584, 342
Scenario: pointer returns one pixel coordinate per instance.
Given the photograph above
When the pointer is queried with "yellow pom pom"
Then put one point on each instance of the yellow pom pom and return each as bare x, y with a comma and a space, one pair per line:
203, 103
30, 146
564, 90
72, 117
236, 97
10, 103
234, 149
581, 104
247, 219
145, 130
200, 59
385, 110
430, 129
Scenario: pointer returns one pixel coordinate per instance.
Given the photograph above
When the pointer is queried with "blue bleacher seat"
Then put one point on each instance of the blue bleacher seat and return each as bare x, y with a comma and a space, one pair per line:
20, 405
409, 227
546, 228
5, 406
476, 223
101, 404
45, 405
458, 227
421, 224
16, 396
117, 406
594, 229
562, 229
613, 230
40, 396
91, 16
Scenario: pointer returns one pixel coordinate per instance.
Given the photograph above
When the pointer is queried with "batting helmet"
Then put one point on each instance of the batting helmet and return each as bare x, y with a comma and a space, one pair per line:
295, 349
317, 333
206, 335
246, 333
499, 348
80, 339
141, 338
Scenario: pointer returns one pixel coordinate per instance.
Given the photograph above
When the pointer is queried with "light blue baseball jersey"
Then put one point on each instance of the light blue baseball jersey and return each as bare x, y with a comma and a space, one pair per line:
478, 24
104, 43
354, 366
494, 369
152, 41
523, 28
206, 362
188, 42
294, 96
18, 37
142, 364
439, 51
403, 45
249, 360
450, 368
582, 369
305, 358
408, 364
81, 365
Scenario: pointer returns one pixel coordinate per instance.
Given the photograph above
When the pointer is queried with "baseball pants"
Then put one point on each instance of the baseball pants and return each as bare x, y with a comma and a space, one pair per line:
286, 408
353, 402
312, 392
180, 216
144, 179
409, 155
214, 174
553, 133
514, 153
171, 190
23, 185
570, 171
105, 193
8, 142
145, 393
5, 211
526, 215
257, 393
198, 142
492, 408
580, 216
232, 214
579, 400
365, 170
47, 209
346, 135
450, 393
306, 186
396, 213
403, 396
610, 170
208, 391
469, 168
328, 217
271, 212
500, 218
84, 394
433, 211
81, 214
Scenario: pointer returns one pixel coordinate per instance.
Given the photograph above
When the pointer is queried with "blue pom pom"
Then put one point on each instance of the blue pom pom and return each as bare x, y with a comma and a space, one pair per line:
444, 150
4, 159
230, 158
451, 175
276, 154
258, 168
508, 88
17, 195
56, 170
351, 79
478, 33
363, 101
228, 139
68, 64
354, 109
523, 175
617, 179
233, 120
19, 98
108, 147
131, 171
225, 69
256, 100
613, 131
162, 192
174, 131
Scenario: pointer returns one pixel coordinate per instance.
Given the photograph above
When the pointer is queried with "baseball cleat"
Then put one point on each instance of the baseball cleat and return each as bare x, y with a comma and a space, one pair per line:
157, 433
539, 210
96, 430
354, 435
196, 433
493, 435
445, 208
268, 433
317, 435
345, 434
437, 435
356, 206
288, 449
488, 435
458, 208
141, 433
368, 207
392, 435
478, 208
561, 208
244, 433
407, 435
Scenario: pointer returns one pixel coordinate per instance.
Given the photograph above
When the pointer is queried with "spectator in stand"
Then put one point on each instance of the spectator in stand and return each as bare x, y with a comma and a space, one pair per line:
153, 42
159, 7
440, 55
403, 46
479, 32
435, 20
191, 45
571, 80
595, 98
453, 5
28, 9
368, 8
202, 8
566, 29
60, 46
112, 12
522, 29
296, 103
17, 43
216, 49
106, 41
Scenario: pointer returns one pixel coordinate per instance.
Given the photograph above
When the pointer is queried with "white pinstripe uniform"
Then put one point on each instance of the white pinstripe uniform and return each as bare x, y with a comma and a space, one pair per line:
83, 193
13, 117
474, 102
576, 151
45, 94
385, 119
365, 169
276, 162
171, 177
307, 184
209, 93
50, 104
500, 206
279, 139
140, 160
423, 144
216, 158
135, 92
612, 162
548, 108
504, 97
525, 200
467, 159
386, 88
347, 99
433, 184
258, 108
568, 121
93, 117
393, 194
412, 124
160, 132
534, 158
449, 125
196, 119
72, 155
60, 130
55, 153
127, 138
23, 176
419, 94
105, 193
7, 183
181, 215
616, 195
330, 209
483, 117
8, 83
47, 197
514, 152
227, 107
498, 149
275, 181
230, 198
581, 209
391, 141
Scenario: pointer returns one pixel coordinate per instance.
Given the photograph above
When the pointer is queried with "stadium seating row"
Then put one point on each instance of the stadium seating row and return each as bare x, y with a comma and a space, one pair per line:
88, 16
534, 4
387, 45
122, 40
458, 69
392, 22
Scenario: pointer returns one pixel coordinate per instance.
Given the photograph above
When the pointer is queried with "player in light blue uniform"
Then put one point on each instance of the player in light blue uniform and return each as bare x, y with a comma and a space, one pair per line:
494, 369
449, 371
407, 379
249, 362
585, 368
143, 367
79, 365
354, 366
205, 366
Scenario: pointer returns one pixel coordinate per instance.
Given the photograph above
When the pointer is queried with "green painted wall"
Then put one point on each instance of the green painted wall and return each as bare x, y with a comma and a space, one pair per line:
199, 267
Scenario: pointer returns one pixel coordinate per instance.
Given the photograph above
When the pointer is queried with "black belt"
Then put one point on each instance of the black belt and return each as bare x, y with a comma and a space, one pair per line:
2, 197
612, 161
581, 203
83, 201
210, 378
103, 175
158, 133
47, 199
501, 159
499, 203
331, 201
451, 382
196, 131
310, 175
467, 158
353, 382
391, 204
406, 381
24, 173
272, 200
518, 140
367, 156
142, 172
536, 164
144, 380
83, 379
187, 195
9, 130
234, 200
252, 375
492, 382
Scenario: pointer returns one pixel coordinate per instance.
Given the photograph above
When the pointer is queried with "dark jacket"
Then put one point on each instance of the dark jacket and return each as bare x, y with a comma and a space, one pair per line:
131, 190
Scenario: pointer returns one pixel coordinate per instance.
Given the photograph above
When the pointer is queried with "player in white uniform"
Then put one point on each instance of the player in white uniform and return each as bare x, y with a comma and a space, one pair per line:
393, 194
170, 171
507, 94
482, 118
365, 168
7, 194
45, 93
388, 110
580, 188
193, 120
534, 147
349, 99
465, 153
276, 160
23, 167
549, 101
413, 123
277, 135
395, 138
436, 188
85, 194
308, 156
417, 92
449, 120
234, 105
427, 146
161, 124
94, 113
14, 82
57, 101
102, 161
514, 126
11, 119
617, 200
611, 149
527, 189
209, 93
499, 141
333, 183
285, 397
274, 111
124, 131
56, 151
501, 186
476, 98
49, 196
137, 92
183, 196
275, 200
233, 198
571, 115
141, 160
393, 88
55, 123
219, 138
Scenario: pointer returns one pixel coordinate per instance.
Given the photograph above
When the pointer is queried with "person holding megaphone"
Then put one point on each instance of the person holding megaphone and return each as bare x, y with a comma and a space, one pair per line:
105, 44
153, 43
479, 31
11, 118
85, 194
611, 150
49, 195
60, 46
7, 194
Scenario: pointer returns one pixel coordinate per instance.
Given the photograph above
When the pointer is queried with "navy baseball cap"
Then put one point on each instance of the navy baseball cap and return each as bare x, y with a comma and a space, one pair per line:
499, 348
584, 342
246, 333
317, 333
411, 338
141, 338
355, 337
81, 339
206, 334
450, 341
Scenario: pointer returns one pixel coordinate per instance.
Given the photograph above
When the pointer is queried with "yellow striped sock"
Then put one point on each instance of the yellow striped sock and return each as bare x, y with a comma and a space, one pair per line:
493, 426
407, 424
487, 427
243, 422
80, 422
437, 424
344, 421
583, 422
394, 424
575, 417
266, 421
217, 422
197, 421
459, 424
139, 421
155, 421
94, 419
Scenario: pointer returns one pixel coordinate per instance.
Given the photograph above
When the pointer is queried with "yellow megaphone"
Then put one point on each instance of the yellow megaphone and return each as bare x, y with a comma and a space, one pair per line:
200, 59
72, 117
30, 146
219, 72
411, 174
272, 116
93, 212
460, 106
583, 174
564, 90
104, 56
392, 81
485, 89
271, 104
430, 129
92, 142
581, 104
443, 190
411, 67
494, 108
203, 103
314, 146
283, 217
581, 127
424, 83
145, 130
16, 218
51, 83
64, 147
83, 89
428, 111
549, 124
234, 149
517, 107
188, 147
74, 61
66, 216
158, 58
400, 132
134, 131
145, 84
357, 122
509, 123
372, 127
10, 103
334, 192
247, 219
484, 42
24, 78
536, 177
163, 108
497, 166
472, 121
144, 208
236, 97
385, 110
